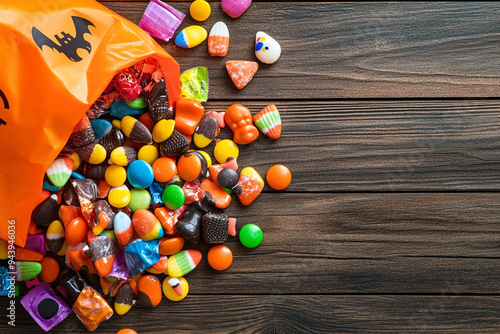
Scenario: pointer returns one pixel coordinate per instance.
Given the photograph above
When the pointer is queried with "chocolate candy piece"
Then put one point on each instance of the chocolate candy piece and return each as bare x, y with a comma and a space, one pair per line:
206, 131
123, 155
72, 284
140, 255
104, 216
112, 140
216, 227
82, 264
55, 236
86, 189
103, 251
149, 291
124, 299
91, 308
136, 130
176, 144
95, 171
83, 134
46, 308
227, 178
158, 102
46, 212
93, 153
69, 196
189, 225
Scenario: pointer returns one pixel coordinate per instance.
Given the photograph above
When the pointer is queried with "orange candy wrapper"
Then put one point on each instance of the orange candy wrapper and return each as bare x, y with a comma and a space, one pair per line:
56, 62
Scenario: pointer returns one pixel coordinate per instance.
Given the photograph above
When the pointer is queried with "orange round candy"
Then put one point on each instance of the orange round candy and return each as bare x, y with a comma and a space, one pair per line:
278, 177
126, 331
220, 257
189, 166
171, 246
164, 169
76, 231
149, 291
50, 269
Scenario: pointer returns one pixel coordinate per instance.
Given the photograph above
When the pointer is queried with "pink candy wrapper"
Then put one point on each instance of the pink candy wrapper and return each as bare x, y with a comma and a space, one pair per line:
161, 20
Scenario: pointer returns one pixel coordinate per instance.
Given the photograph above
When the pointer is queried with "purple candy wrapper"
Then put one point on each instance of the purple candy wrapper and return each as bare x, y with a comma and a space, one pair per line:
119, 269
161, 20
36, 243
45, 306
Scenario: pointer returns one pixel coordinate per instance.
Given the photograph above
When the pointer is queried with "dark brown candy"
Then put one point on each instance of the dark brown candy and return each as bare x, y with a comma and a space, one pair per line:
158, 102
176, 144
69, 195
215, 228
136, 130
112, 140
72, 284
103, 217
86, 189
228, 178
189, 225
46, 212
93, 153
95, 171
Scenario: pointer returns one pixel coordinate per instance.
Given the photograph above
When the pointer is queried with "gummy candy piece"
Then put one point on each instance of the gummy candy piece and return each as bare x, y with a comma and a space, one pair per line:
183, 262
268, 121
149, 291
239, 119
235, 8
91, 308
216, 227
206, 131
251, 185
146, 225
136, 131
124, 299
190, 37
200, 10
161, 20
55, 236
267, 49
45, 307
241, 71
188, 113
189, 225
82, 133
158, 102
60, 171
218, 40
194, 83
176, 144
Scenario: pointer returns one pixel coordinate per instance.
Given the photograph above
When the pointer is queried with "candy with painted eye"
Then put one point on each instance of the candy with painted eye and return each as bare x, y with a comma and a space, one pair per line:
190, 37
239, 119
267, 49
175, 288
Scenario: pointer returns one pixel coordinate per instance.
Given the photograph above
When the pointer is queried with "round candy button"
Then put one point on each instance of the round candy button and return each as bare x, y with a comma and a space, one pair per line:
278, 177
164, 169
200, 10
115, 175
175, 289
148, 153
173, 196
250, 235
140, 174
139, 199
220, 257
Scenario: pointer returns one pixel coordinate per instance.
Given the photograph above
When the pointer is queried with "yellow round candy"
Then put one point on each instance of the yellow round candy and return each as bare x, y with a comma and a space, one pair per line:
163, 130
172, 294
115, 175
119, 197
200, 10
225, 149
3, 250
148, 153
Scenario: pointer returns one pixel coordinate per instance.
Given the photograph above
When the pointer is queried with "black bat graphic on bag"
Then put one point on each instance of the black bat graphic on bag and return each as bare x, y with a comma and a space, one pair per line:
67, 44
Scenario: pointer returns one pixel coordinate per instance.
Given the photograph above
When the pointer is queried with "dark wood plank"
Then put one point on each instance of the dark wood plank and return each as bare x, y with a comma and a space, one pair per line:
380, 145
450, 313
354, 50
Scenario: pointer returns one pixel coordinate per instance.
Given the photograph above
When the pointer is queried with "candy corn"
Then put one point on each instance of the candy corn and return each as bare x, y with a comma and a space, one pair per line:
183, 262
218, 40
123, 228
60, 171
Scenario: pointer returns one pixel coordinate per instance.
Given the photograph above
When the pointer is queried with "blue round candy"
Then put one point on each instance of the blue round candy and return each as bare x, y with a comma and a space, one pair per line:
101, 127
140, 174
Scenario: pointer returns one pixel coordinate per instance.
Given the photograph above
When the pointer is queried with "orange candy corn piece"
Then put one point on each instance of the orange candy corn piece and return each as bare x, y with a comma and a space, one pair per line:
241, 71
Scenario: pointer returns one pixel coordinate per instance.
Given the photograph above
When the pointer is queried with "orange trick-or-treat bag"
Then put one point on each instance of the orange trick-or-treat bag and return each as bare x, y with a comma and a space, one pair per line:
57, 57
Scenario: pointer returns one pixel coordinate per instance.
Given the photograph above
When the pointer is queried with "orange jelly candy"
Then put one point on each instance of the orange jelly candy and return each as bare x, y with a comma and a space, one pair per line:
239, 119
188, 113
50, 269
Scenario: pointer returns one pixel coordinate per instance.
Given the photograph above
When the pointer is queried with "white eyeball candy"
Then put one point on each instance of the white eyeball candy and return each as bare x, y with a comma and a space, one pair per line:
267, 50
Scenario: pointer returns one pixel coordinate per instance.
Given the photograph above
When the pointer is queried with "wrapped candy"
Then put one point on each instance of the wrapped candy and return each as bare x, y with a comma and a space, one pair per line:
91, 308
140, 255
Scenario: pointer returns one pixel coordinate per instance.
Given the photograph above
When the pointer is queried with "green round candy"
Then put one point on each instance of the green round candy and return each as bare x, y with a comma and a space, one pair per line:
138, 103
173, 196
250, 235
139, 199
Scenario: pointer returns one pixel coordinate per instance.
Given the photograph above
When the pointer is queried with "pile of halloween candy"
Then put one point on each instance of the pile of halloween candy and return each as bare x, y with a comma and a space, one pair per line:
129, 188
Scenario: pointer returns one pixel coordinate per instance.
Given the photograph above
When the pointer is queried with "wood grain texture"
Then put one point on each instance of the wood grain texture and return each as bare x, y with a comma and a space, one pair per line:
450, 313
353, 50
380, 145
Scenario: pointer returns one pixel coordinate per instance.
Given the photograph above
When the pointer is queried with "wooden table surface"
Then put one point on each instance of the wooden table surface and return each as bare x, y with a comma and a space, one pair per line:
391, 129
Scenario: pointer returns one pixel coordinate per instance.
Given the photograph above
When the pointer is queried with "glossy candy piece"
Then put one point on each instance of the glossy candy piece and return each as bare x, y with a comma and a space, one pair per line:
127, 85
192, 165
200, 10
126, 331
91, 308
67, 213
206, 131
123, 228
115, 175
124, 299
45, 212
251, 185
93, 153
227, 178
267, 49
268, 121
188, 113
168, 218
36, 243
112, 140
76, 231
226, 149
216, 227
190, 37
50, 269
278, 177
235, 8
171, 246
82, 133
55, 236
123, 155
160, 20
26, 270
163, 129
80, 261
241, 71
160, 266
173, 196
218, 40
220, 257
139, 199
158, 102
164, 169
250, 235
215, 194
138, 103
146, 225
135, 130
193, 191
104, 216
219, 116
148, 153
149, 293
101, 127
194, 83
176, 144
239, 119
60, 171
175, 288
25, 254
189, 225
140, 174
183, 263
119, 197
